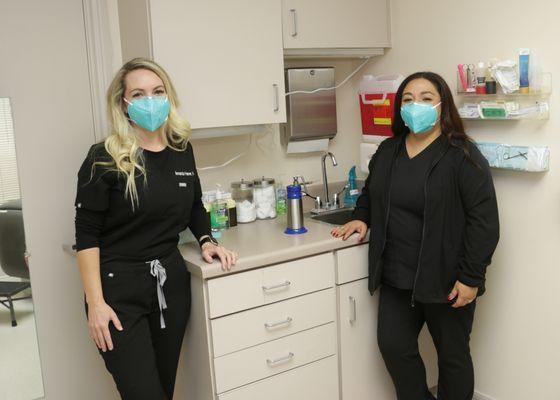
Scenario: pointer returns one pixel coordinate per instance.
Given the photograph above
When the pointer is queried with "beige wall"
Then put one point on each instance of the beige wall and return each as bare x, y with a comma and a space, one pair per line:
44, 71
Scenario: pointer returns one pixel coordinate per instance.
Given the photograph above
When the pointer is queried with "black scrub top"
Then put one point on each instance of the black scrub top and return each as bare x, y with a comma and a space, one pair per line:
169, 202
406, 216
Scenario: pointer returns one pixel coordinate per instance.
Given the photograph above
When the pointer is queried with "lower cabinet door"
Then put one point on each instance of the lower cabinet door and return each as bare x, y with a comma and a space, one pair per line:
315, 381
363, 373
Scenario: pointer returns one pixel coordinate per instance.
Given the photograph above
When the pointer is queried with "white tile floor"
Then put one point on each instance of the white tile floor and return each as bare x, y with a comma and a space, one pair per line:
20, 370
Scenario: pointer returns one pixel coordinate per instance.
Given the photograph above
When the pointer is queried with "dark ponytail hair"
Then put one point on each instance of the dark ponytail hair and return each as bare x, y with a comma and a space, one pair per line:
450, 121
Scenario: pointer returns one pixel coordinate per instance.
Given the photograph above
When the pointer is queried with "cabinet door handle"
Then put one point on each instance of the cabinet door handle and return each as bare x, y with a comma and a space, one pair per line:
271, 325
294, 20
275, 361
353, 305
285, 284
276, 99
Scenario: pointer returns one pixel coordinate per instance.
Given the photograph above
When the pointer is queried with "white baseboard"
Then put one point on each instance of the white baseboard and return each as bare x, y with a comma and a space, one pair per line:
477, 395
481, 396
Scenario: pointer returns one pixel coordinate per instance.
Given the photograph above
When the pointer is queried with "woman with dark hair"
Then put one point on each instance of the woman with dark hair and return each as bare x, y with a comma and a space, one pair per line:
430, 202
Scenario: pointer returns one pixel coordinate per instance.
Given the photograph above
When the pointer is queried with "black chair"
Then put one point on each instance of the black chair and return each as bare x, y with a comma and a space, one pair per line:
12, 255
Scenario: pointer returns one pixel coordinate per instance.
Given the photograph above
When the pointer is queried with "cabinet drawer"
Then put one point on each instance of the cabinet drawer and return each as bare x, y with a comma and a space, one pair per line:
315, 381
267, 285
352, 264
249, 365
263, 324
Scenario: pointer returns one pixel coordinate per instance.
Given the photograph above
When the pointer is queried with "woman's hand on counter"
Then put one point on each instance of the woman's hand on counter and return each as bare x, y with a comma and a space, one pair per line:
463, 294
227, 257
99, 316
349, 228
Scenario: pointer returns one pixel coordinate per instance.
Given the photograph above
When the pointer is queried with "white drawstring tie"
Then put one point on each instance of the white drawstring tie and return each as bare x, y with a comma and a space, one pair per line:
157, 270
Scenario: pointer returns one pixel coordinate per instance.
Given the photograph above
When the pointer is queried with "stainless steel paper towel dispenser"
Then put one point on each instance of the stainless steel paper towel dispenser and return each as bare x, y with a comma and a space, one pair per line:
310, 116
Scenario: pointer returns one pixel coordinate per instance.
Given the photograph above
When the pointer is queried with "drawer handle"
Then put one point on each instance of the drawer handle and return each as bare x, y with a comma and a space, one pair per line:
276, 100
271, 325
353, 305
281, 360
294, 21
285, 284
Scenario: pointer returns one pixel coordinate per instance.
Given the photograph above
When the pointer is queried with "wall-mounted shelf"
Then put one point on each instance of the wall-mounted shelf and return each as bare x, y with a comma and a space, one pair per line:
506, 106
544, 89
504, 110
504, 96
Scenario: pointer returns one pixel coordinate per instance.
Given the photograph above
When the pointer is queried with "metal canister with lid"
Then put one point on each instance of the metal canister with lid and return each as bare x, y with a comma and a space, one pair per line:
294, 220
242, 193
264, 193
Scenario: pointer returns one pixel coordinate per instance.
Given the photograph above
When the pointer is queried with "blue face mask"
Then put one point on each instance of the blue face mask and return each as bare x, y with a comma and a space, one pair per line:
419, 117
149, 112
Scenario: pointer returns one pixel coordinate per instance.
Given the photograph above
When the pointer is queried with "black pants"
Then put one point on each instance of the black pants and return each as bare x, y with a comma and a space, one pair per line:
144, 359
398, 328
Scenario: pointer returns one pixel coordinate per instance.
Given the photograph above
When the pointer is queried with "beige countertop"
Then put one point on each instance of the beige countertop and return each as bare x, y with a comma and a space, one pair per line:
264, 242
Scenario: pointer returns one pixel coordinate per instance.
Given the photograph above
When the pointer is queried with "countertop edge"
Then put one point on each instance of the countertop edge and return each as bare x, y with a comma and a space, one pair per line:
204, 270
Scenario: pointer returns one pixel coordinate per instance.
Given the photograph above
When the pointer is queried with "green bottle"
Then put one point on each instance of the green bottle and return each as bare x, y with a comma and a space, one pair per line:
281, 200
219, 214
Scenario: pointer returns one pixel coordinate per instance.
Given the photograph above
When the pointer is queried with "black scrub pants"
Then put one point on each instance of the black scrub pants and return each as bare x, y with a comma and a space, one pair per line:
400, 324
144, 359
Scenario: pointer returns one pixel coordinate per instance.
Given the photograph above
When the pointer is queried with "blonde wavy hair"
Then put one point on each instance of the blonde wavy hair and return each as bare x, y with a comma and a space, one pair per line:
122, 143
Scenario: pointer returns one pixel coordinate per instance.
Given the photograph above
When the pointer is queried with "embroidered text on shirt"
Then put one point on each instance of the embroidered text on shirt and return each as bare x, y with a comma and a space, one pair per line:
184, 173
182, 184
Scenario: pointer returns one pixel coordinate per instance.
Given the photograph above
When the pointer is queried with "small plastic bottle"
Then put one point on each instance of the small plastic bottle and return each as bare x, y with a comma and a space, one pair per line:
208, 199
219, 216
351, 194
281, 200
232, 212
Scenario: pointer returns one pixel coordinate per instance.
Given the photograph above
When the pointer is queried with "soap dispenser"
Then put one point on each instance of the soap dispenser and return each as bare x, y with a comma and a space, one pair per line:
351, 194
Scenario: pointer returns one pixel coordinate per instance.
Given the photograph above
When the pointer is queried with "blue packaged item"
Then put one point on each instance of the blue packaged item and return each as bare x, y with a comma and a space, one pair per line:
351, 193
518, 158
524, 70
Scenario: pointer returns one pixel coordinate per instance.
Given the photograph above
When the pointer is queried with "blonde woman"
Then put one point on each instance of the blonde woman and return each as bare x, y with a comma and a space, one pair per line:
136, 191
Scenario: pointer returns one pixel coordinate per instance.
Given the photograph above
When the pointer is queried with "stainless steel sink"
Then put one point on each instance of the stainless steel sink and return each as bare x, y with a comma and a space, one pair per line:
336, 217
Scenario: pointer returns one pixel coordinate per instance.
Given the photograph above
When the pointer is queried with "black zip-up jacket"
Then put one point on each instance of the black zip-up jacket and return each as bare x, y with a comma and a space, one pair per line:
461, 226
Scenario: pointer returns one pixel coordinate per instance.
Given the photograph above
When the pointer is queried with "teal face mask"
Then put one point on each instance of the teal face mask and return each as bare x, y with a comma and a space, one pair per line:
149, 112
419, 117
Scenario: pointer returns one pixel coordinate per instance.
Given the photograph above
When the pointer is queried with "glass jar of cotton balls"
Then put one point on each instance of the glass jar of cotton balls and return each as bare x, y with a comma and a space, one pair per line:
264, 194
242, 193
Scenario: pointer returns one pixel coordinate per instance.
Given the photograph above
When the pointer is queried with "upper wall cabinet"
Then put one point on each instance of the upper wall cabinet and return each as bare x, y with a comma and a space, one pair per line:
335, 28
225, 57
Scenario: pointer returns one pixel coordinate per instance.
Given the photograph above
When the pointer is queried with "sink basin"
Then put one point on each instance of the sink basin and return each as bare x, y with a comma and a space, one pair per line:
337, 217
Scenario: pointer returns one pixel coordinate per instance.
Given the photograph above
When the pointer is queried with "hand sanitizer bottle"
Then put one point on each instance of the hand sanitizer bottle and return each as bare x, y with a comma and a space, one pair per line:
351, 193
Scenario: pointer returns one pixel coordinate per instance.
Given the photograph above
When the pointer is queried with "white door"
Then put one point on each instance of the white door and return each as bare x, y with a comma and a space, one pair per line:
311, 24
362, 370
224, 57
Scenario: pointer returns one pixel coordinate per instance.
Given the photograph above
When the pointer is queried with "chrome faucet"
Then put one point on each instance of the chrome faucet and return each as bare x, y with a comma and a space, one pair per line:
327, 203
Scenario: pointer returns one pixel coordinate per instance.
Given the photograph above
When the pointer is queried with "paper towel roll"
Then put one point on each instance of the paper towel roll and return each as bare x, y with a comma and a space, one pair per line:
366, 151
307, 146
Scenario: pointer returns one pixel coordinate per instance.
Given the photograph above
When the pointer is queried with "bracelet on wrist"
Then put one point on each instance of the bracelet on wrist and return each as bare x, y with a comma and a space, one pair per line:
208, 239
